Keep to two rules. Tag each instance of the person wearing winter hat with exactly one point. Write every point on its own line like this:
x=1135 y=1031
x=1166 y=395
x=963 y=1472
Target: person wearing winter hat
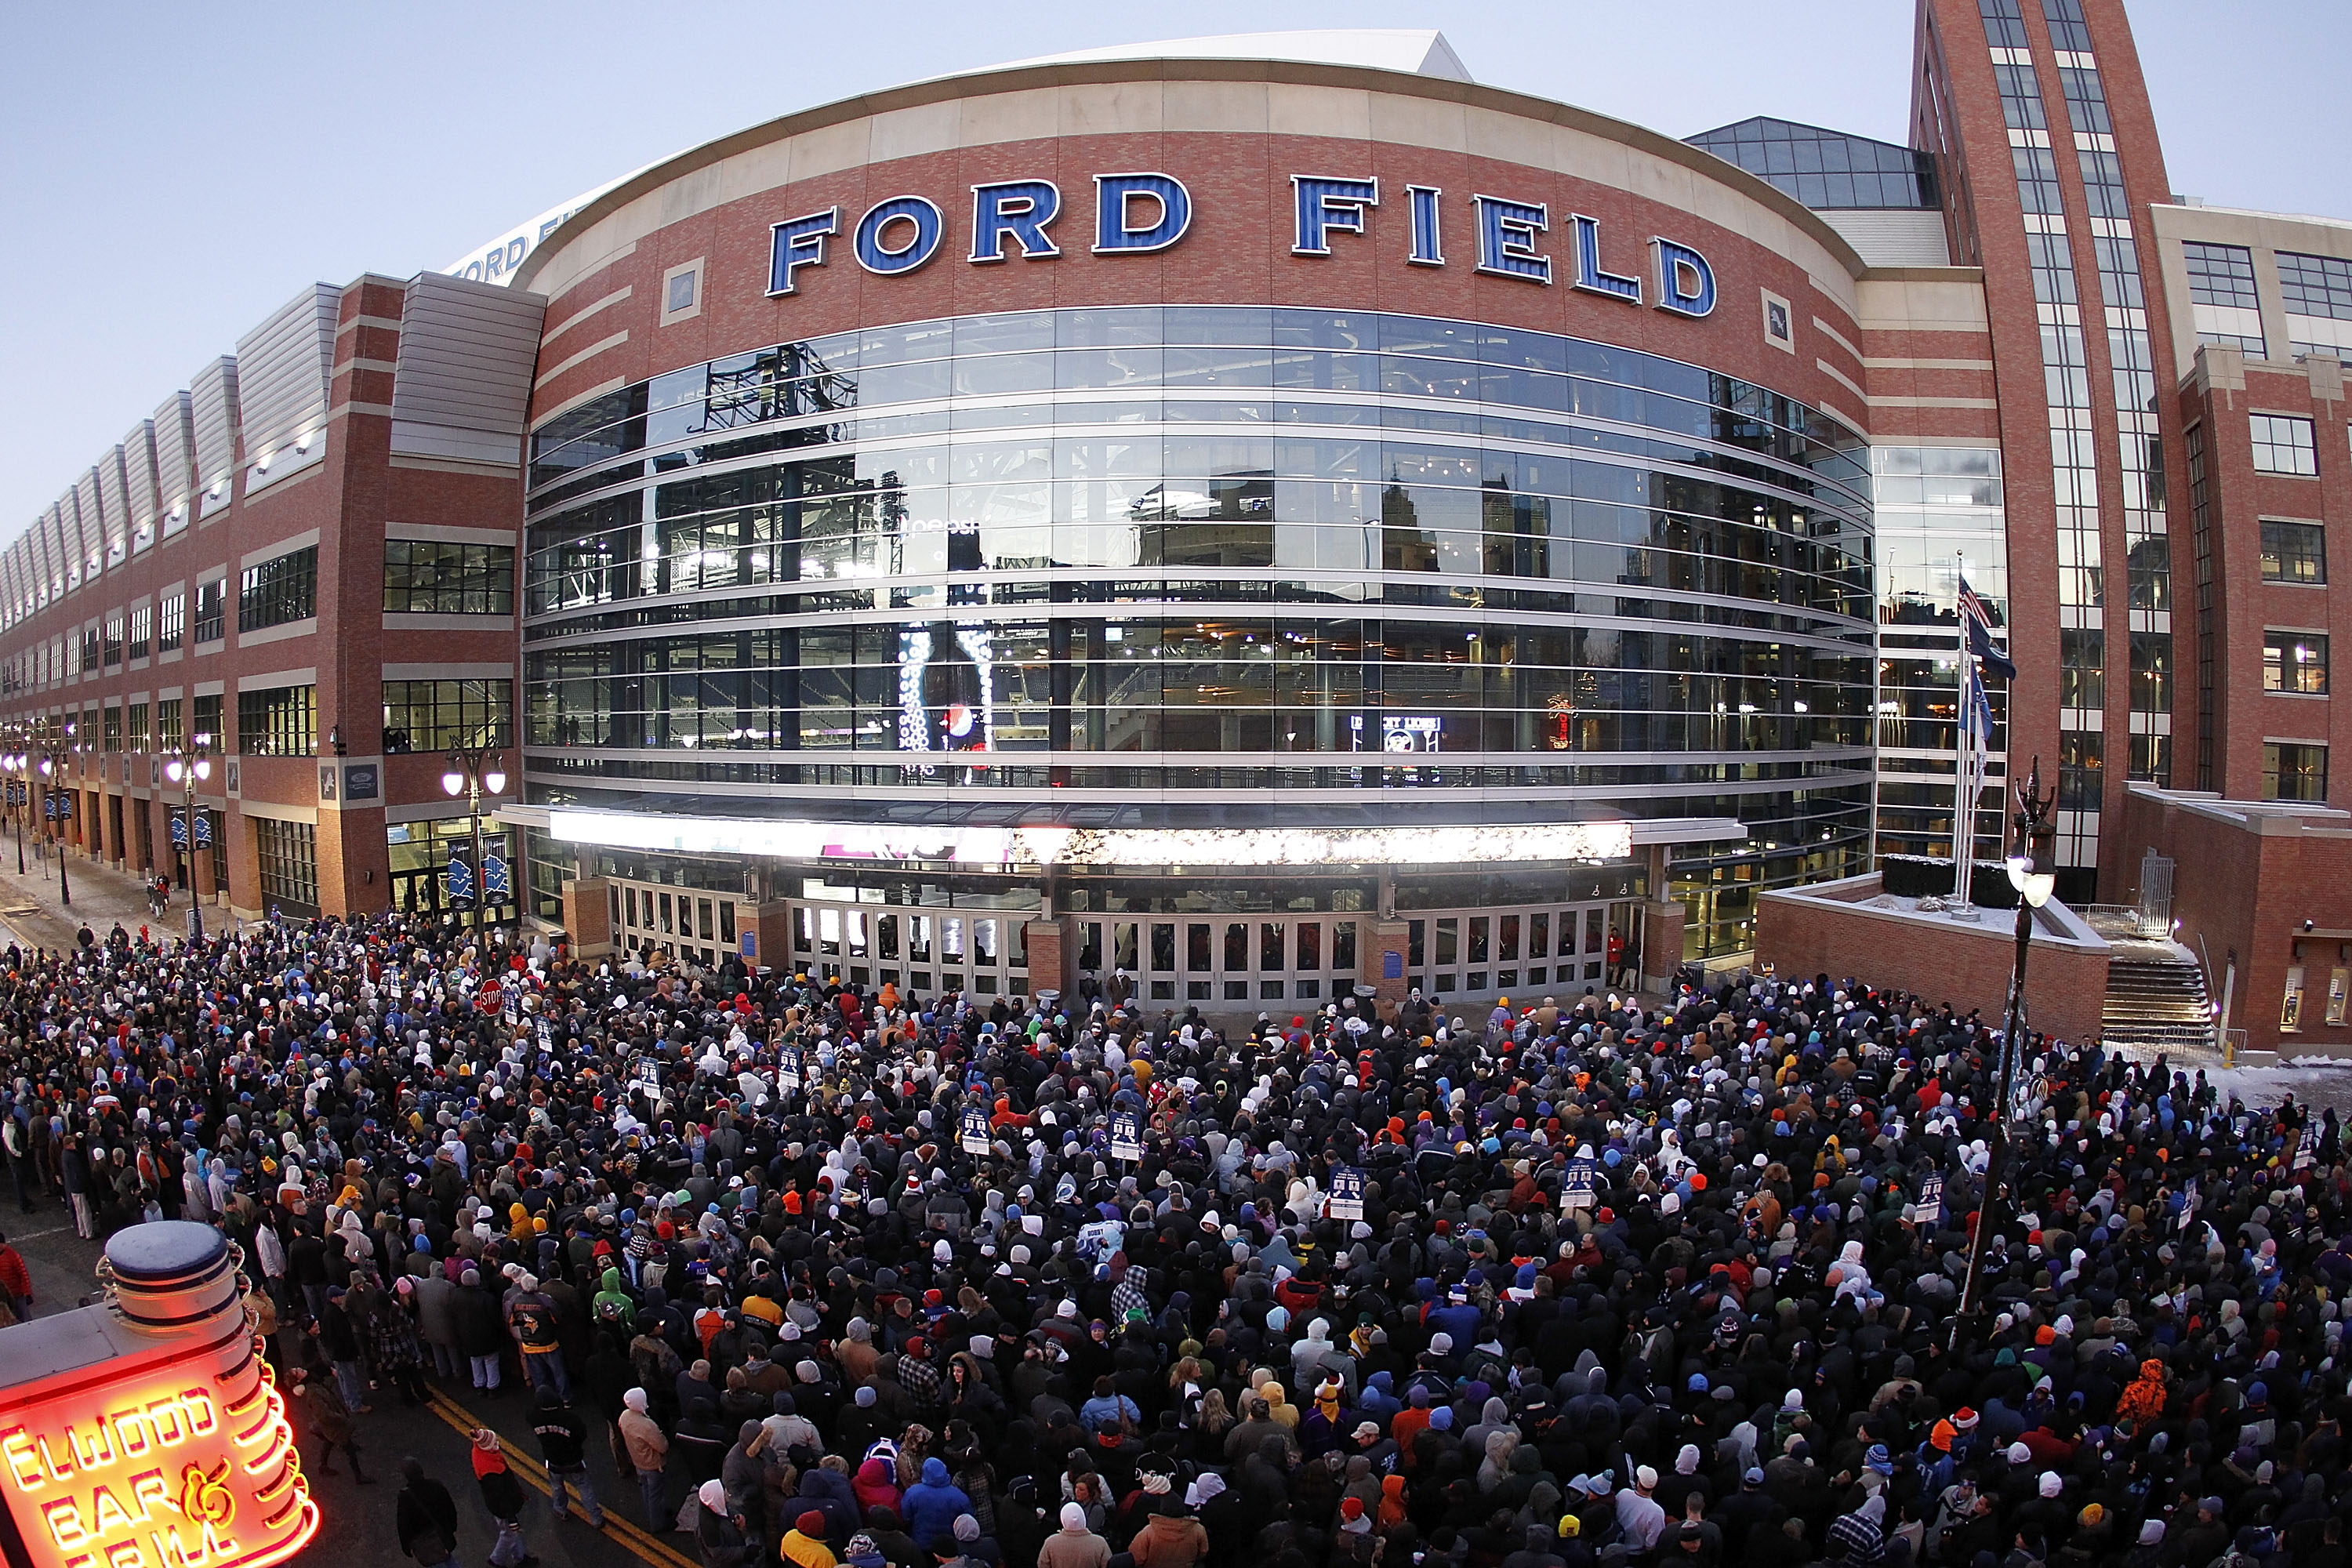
x=802 y=1544
x=1074 y=1545
x=647 y=1447
x=1170 y=1538
x=503 y=1495
x=1639 y=1514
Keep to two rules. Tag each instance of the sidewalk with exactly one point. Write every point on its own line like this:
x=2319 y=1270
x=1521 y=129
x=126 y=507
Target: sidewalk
x=101 y=897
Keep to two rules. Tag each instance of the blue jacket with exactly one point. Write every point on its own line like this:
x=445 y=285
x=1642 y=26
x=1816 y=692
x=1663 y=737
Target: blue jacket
x=932 y=1504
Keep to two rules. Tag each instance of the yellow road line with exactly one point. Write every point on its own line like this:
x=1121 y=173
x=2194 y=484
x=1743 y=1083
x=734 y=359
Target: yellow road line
x=650 y=1548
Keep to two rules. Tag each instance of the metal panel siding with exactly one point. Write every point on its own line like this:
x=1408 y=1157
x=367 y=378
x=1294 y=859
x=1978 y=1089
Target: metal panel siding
x=284 y=366
x=138 y=482
x=44 y=555
x=114 y=506
x=462 y=385
x=80 y=508
x=1893 y=237
x=213 y=422
x=175 y=445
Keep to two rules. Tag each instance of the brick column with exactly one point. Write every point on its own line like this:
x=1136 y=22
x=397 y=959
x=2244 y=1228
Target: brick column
x=1052 y=945
x=588 y=916
x=776 y=929
x=1662 y=942
x=1382 y=962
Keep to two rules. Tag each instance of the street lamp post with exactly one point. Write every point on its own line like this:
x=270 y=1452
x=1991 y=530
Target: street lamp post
x=20 y=794
x=185 y=768
x=471 y=771
x=2032 y=871
x=53 y=766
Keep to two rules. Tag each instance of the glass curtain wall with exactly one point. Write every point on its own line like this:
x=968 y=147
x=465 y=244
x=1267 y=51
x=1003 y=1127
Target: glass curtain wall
x=1192 y=566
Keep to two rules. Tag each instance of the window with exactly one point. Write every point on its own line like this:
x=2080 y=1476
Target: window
x=2082 y=760
x=205 y=721
x=2295 y=770
x=2293 y=552
x=2317 y=285
x=169 y=736
x=111 y=730
x=2295 y=662
x=113 y=639
x=171 y=623
x=2151 y=672
x=681 y=292
x=1820 y=168
x=2082 y=669
x=288 y=856
x=142 y=629
x=278 y=722
x=427 y=576
x=90 y=650
x=436 y=715
x=2283 y=445
x=2220 y=275
x=210 y=599
x=279 y=591
x=135 y=727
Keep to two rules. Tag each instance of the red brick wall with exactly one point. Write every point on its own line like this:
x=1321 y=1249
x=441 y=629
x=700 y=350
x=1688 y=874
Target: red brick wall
x=2241 y=896
x=349 y=497
x=1802 y=937
x=1237 y=252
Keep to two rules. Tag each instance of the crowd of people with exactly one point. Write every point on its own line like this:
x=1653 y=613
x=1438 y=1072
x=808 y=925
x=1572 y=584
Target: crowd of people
x=1590 y=1283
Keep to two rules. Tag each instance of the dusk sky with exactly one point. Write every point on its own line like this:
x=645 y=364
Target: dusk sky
x=177 y=173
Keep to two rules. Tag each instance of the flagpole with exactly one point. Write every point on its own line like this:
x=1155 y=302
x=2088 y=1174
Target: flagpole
x=1964 y=816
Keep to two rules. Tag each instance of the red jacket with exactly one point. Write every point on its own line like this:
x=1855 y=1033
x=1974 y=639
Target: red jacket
x=14 y=1281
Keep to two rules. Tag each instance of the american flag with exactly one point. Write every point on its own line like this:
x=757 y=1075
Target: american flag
x=1972 y=608
x=1976 y=634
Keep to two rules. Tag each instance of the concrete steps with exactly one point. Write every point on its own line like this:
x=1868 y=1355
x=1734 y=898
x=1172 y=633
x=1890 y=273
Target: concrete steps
x=2156 y=1004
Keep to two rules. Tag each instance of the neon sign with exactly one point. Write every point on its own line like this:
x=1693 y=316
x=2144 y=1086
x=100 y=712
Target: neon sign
x=153 y=1437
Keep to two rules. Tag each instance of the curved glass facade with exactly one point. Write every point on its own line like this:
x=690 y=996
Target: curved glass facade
x=1203 y=567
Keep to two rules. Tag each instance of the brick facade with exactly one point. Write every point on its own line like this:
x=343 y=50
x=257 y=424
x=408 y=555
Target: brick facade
x=1828 y=930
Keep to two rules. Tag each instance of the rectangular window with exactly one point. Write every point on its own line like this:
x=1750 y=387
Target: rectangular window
x=169 y=736
x=205 y=722
x=436 y=715
x=278 y=722
x=2151 y=672
x=171 y=623
x=113 y=640
x=430 y=577
x=2220 y=275
x=2295 y=662
x=143 y=630
x=2283 y=445
x=2295 y=770
x=288 y=856
x=2293 y=552
x=110 y=729
x=279 y=591
x=2082 y=669
x=89 y=646
x=211 y=599
x=136 y=735
x=2317 y=285
x=2081 y=759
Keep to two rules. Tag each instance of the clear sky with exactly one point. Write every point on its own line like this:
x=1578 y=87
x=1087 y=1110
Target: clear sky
x=174 y=173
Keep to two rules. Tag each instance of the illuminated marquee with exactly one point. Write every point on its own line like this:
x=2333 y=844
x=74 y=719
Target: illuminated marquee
x=1101 y=847
x=1141 y=213
x=168 y=1478
x=141 y=1434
